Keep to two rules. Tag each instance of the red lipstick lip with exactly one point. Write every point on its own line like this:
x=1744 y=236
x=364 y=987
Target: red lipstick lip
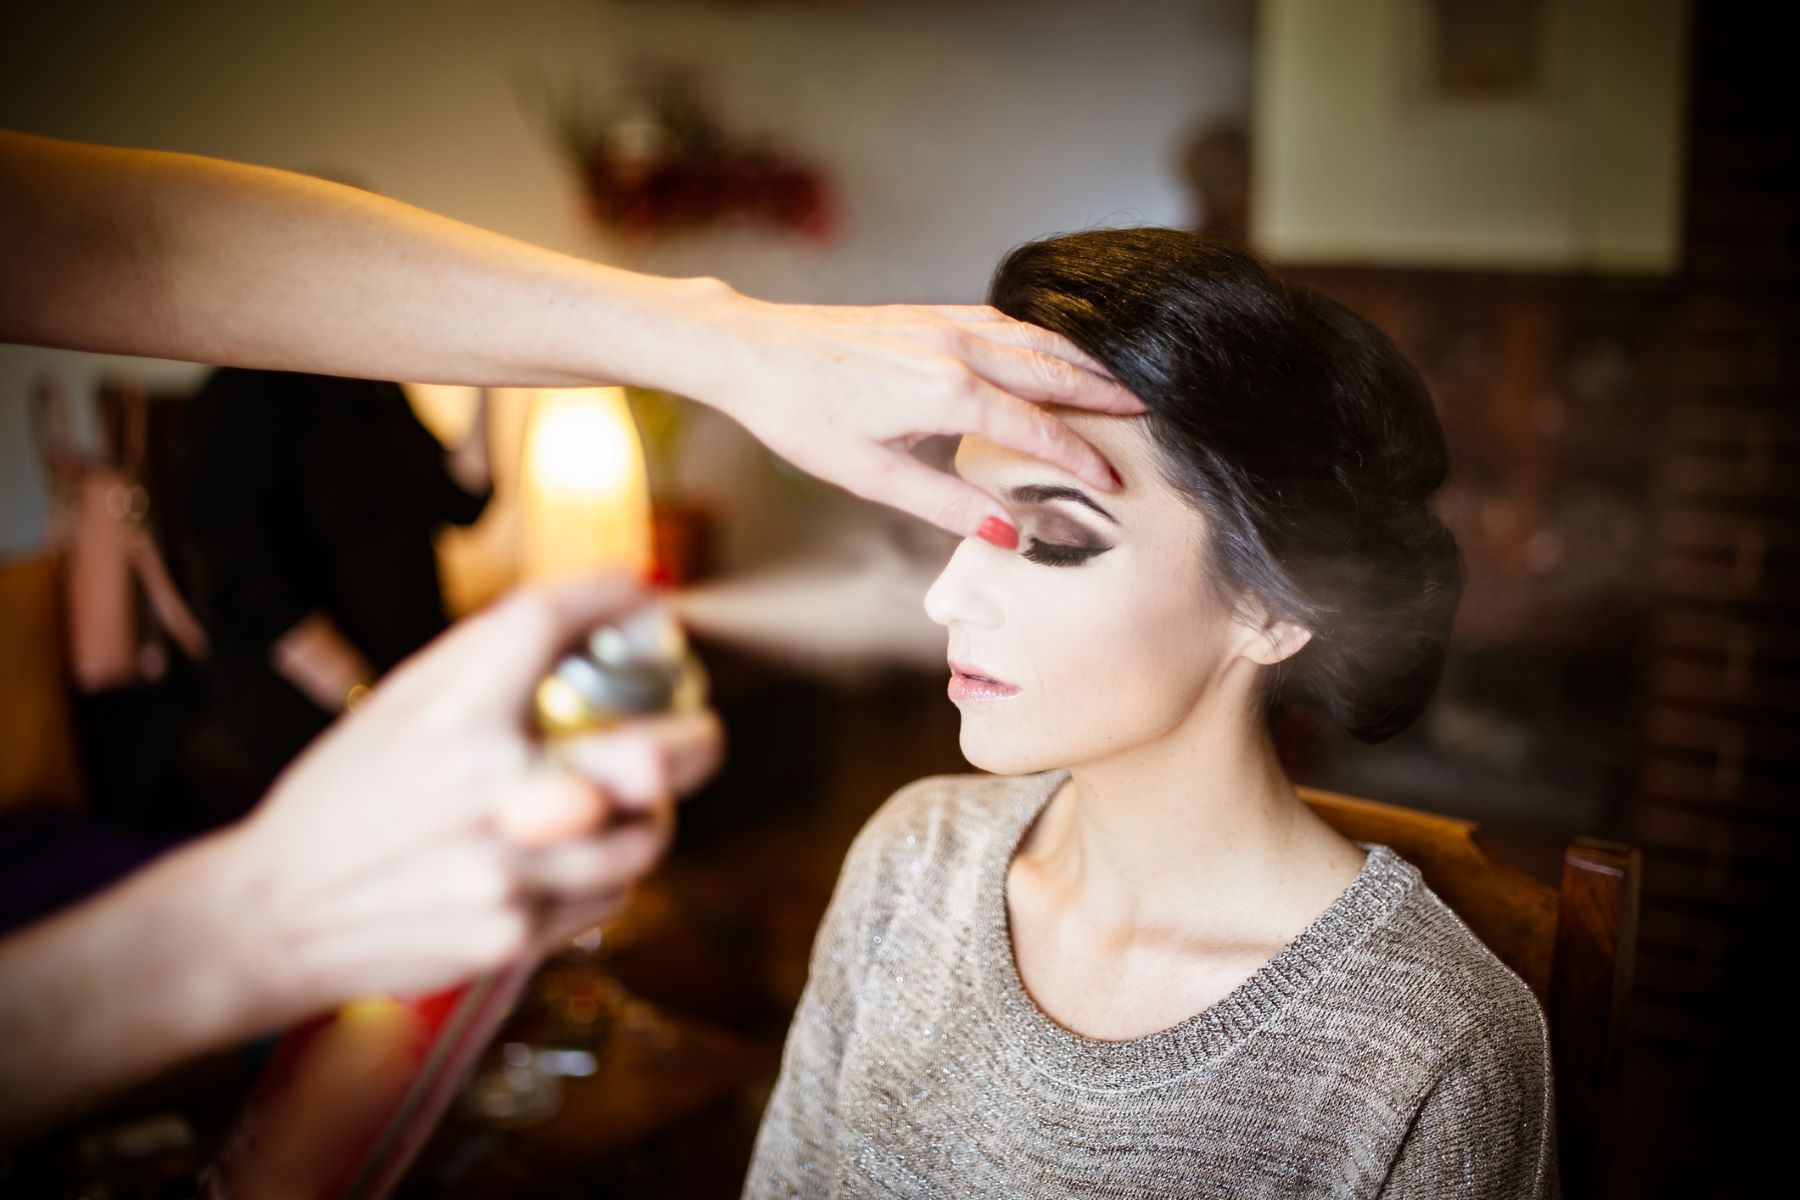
x=970 y=669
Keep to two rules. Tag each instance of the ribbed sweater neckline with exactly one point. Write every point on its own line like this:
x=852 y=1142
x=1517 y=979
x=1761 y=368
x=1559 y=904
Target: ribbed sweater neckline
x=1371 y=898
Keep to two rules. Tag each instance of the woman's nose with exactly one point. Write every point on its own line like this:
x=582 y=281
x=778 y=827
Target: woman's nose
x=958 y=596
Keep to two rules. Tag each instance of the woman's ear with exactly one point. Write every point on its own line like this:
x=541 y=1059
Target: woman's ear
x=1280 y=640
x=1270 y=641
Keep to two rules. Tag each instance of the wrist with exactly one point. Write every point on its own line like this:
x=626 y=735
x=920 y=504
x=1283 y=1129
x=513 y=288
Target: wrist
x=98 y=998
x=692 y=333
x=172 y=938
x=223 y=943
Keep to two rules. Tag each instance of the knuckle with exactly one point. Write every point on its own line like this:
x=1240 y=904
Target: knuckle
x=968 y=389
x=1048 y=433
x=1056 y=373
x=955 y=339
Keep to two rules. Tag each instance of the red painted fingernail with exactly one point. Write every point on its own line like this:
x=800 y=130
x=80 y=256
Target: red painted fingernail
x=1000 y=533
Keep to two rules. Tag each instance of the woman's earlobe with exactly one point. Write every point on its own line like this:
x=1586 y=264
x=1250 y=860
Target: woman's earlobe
x=1279 y=642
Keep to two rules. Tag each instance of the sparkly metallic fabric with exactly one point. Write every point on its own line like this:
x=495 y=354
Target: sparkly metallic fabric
x=1384 y=1052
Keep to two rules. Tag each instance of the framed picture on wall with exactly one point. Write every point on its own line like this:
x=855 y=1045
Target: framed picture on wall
x=1540 y=135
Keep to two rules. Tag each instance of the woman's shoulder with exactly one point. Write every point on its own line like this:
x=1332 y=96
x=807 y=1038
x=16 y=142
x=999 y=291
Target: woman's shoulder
x=1443 y=983
x=951 y=814
x=1480 y=1116
x=921 y=854
x=940 y=826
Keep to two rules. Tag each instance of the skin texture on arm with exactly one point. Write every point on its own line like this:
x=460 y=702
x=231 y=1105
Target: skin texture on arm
x=69 y=1031
x=167 y=254
x=139 y=252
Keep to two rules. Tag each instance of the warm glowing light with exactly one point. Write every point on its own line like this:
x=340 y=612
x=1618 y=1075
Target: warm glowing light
x=579 y=448
x=370 y=1008
x=586 y=500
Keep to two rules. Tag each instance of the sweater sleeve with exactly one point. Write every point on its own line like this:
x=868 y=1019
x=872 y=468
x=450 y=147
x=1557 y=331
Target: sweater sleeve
x=796 y=1146
x=1487 y=1125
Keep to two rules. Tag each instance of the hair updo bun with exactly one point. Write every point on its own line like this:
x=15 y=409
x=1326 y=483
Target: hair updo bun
x=1295 y=426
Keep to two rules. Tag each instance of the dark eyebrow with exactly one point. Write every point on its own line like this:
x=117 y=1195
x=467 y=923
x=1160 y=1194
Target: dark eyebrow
x=1037 y=493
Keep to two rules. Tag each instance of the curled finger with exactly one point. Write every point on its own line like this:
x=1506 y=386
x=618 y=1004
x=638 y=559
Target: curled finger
x=609 y=861
x=549 y=805
x=646 y=761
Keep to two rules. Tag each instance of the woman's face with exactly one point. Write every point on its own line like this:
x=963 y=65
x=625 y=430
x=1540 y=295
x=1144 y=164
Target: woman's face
x=1101 y=621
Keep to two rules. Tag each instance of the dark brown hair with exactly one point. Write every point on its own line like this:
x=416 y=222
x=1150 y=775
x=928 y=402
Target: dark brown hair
x=1295 y=426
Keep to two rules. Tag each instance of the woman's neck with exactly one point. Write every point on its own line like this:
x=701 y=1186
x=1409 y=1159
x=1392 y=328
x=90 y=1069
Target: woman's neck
x=1198 y=833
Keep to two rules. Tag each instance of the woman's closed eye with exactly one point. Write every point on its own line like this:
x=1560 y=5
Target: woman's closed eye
x=1056 y=554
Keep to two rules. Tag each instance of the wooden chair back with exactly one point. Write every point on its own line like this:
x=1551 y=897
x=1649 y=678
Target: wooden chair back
x=1573 y=945
x=38 y=766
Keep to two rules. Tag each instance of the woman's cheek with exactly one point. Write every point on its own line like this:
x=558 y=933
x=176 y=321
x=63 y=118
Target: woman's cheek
x=1104 y=687
x=1093 y=679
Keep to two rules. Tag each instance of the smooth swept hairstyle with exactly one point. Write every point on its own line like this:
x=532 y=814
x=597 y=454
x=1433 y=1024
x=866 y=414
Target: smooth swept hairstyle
x=1302 y=435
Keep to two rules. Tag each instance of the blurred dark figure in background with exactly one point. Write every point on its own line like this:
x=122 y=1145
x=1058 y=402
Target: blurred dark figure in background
x=311 y=503
x=130 y=652
x=132 y=641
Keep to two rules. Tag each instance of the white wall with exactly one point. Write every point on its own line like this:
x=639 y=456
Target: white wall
x=1356 y=161
x=954 y=130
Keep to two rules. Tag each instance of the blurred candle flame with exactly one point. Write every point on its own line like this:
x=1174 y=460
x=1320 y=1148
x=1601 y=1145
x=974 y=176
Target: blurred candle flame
x=587 y=501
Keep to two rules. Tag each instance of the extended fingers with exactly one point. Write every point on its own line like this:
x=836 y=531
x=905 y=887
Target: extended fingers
x=1012 y=357
x=989 y=324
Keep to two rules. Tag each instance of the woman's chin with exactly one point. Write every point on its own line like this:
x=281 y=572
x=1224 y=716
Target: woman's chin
x=986 y=754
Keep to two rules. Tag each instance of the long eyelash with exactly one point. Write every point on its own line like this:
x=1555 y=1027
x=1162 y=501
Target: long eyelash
x=1052 y=555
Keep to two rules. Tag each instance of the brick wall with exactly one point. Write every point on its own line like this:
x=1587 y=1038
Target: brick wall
x=1719 y=765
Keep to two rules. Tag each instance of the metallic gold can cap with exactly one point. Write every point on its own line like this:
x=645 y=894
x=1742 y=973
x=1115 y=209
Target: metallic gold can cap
x=635 y=666
x=649 y=634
